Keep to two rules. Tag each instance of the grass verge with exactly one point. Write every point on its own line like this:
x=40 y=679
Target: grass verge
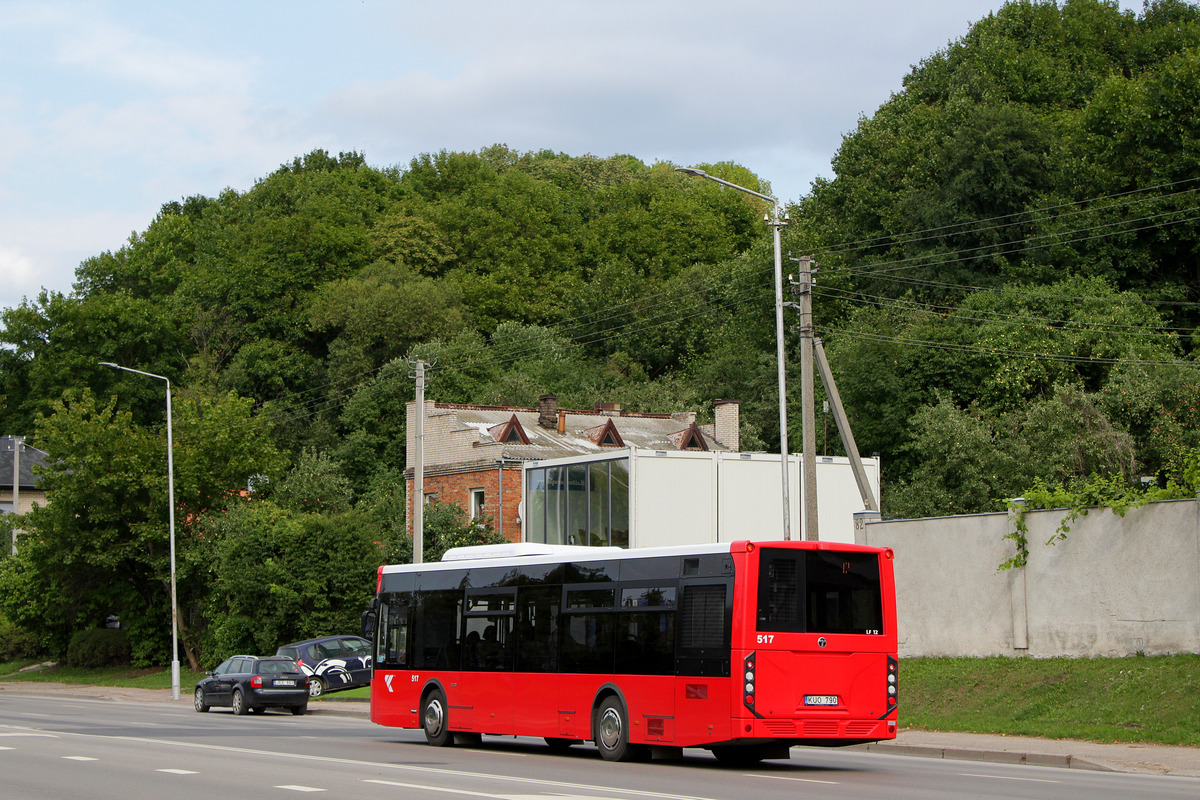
x=1139 y=699
x=125 y=677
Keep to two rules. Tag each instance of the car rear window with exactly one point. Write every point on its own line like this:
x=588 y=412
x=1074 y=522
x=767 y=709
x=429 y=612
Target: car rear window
x=275 y=667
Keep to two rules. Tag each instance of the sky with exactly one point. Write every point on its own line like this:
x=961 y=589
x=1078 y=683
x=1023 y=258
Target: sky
x=111 y=108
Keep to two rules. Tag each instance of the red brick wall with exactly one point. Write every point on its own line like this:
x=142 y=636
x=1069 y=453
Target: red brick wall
x=456 y=488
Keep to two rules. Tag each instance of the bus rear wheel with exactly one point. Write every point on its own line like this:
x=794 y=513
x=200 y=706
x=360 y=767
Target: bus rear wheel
x=612 y=732
x=433 y=719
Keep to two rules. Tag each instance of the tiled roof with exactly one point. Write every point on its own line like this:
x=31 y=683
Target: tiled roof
x=647 y=431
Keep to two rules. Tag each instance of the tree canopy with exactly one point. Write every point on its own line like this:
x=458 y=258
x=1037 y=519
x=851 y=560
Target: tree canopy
x=1008 y=288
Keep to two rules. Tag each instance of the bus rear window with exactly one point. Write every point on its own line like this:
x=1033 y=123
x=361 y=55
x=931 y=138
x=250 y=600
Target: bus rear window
x=819 y=591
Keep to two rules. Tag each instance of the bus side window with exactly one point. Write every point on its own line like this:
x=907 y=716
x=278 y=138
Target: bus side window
x=537 y=628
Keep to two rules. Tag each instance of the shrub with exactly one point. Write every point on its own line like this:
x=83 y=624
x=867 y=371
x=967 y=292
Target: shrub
x=16 y=643
x=99 y=647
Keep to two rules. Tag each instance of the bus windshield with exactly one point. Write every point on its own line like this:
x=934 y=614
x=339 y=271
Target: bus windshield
x=819 y=591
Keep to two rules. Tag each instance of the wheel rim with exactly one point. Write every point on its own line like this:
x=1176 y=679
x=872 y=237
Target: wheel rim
x=200 y=699
x=435 y=716
x=316 y=687
x=237 y=702
x=610 y=729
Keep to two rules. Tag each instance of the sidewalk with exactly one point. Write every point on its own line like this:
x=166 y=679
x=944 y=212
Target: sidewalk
x=1066 y=753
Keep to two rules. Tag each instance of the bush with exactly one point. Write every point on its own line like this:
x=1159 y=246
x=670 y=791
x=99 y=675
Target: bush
x=100 y=647
x=16 y=643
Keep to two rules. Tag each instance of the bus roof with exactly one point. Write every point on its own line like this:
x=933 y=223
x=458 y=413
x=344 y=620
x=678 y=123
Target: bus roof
x=505 y=555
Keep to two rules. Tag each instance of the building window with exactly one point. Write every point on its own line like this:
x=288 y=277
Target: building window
x=431 y=497
x=585 y=503
x=477 y=498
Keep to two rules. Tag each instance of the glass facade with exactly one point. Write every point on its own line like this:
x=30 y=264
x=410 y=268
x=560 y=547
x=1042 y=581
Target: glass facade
x=583 y=504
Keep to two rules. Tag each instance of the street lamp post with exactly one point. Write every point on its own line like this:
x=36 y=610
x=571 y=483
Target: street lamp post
x=171 y=518
x=777 y=220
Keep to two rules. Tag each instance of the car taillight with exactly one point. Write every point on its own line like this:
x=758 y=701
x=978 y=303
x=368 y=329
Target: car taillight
x=748 y=681
x=256 y=681
x=893 y=670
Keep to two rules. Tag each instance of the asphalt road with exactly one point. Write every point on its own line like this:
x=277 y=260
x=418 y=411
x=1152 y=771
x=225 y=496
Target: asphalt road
x=53 y=748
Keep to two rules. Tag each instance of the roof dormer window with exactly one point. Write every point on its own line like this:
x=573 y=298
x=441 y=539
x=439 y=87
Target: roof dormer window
x=510 y=432
x=606 y=435
x=690 y=438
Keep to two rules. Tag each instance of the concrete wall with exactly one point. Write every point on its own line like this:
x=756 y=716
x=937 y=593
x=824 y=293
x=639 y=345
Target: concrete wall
x=1115 y=586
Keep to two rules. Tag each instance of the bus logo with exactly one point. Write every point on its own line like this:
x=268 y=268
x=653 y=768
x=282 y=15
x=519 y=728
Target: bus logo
x=821 y=642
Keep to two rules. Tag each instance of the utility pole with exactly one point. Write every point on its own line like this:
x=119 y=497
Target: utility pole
x=419 y=468
x=808 y=411
x=16 y=492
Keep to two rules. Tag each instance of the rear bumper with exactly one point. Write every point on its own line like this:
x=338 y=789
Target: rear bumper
x=278 y=697
x=818 y=732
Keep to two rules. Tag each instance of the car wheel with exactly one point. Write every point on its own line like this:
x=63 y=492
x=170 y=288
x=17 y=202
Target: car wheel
x=316 y=687
x=239 y=703
x=612 y=732
x=433 y=719
x=299 y=710
x=201 y=706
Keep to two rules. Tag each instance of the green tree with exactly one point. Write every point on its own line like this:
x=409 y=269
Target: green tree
x=281 y=575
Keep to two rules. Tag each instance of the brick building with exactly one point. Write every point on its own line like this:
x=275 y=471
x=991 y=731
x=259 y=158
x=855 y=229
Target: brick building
x=476 y=456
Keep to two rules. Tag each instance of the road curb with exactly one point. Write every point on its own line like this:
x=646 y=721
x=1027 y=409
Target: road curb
x=990 y=756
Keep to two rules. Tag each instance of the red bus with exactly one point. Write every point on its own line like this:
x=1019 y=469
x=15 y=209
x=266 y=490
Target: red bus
x=744 y=648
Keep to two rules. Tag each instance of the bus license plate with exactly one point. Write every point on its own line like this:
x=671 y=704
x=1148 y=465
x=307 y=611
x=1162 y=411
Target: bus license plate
x=820 y=700
x=285 y=683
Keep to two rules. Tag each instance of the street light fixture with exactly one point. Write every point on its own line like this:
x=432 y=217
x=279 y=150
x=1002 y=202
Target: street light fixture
x=777 y=220
x=171 y=517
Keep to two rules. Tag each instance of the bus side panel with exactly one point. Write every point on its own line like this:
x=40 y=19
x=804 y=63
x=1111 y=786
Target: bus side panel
x=650 y=704
x=702 y=711
x=394 y=699
x=482 y=702
x=536 y=706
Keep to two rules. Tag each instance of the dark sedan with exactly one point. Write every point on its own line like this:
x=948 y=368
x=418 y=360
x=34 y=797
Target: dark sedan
x=254 y=683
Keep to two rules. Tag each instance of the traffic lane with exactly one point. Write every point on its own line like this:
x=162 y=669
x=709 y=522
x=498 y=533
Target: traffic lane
x=43 y=765
x=505 y=763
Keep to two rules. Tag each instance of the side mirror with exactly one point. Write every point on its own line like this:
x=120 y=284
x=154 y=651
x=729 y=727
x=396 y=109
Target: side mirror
x=368 y=625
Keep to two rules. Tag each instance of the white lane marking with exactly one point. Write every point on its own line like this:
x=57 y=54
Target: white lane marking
x=422 y=787
x=178 y=771
x=295 y=788
x=7 y=748
x=80 y=758
x=31 y=733
x=784 y=778
x=469 y=793
x=603 y=791
x=1006 y=778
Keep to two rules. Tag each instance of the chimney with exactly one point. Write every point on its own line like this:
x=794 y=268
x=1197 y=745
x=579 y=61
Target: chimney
x=562 y=422
x=548 y=411
x=726 y=416
x=609 y=409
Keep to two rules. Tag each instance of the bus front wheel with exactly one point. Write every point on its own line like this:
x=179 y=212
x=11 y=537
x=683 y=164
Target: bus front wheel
x=433 y=719
x=612 y=732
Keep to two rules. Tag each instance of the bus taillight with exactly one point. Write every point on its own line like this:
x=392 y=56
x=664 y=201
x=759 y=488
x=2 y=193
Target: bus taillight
x=893 y=670
x=748 y=684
